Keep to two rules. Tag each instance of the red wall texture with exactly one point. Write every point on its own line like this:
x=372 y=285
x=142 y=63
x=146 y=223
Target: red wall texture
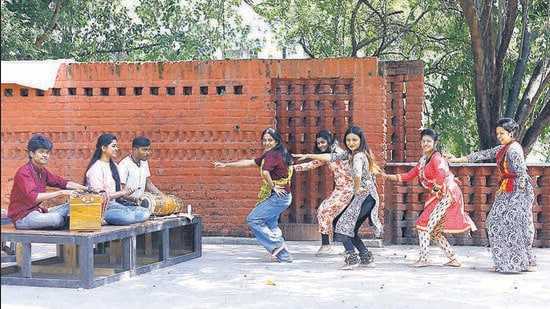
x=196 y=112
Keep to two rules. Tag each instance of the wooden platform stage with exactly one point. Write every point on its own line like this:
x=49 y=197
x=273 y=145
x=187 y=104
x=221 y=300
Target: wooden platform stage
x=91 y=259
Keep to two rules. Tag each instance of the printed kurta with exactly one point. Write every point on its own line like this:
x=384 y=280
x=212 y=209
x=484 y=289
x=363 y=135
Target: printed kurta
x=341 y=195
x=436 y=172
x=509 y=223
x=346 y=223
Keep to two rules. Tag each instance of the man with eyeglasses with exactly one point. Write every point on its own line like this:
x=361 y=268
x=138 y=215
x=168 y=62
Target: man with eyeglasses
x=134 y=171
x=29 y=190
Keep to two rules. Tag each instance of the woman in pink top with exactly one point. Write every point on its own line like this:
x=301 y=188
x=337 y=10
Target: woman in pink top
x=444 y=207
x=102 y=175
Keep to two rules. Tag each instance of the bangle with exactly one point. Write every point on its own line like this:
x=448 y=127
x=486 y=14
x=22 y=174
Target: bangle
x=272 y=186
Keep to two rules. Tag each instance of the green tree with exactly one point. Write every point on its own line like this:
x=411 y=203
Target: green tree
x=511 y=66
x=487 y=61
x=110 y=30
x=345 y=28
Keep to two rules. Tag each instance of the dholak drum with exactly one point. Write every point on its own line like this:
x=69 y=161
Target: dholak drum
x=161 y=205
x=179 y=204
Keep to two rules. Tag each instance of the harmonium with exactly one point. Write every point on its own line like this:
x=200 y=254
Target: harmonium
x=87 y=211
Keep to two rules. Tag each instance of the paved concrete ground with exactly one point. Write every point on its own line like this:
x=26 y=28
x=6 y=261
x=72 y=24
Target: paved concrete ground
x=234 y=273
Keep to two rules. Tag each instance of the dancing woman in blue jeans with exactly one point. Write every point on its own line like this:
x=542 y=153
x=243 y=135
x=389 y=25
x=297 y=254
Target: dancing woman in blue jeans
x=275 y=195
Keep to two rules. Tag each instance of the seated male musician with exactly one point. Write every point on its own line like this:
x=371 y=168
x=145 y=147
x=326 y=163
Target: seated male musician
x=29 y=190
x=134 y=171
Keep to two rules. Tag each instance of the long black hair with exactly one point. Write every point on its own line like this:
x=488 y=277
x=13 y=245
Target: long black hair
x=433 y=134
x=104 y=140
x=287 y=158
x=326 y=135
x=364 y=147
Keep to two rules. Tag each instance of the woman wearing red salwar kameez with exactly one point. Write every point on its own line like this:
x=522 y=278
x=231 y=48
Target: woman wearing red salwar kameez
x=444 y=208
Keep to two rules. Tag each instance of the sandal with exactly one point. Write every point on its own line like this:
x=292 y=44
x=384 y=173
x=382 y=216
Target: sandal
x=420 y=264
x=453 y=263
x=492 y=270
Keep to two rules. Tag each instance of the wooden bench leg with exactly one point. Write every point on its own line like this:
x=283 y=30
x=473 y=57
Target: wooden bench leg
x=129 y=254
x=24 y=259
x=164 y=250
x=70 y=255
x=148 y=244
x=86 y=261
x=115 y=251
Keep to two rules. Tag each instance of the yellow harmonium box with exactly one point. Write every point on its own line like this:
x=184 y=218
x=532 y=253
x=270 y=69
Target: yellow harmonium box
x=85 y=212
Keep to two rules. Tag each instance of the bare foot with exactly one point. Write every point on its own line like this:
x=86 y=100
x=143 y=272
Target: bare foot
x=453 y=263
x=420 y=264
x=325 y=249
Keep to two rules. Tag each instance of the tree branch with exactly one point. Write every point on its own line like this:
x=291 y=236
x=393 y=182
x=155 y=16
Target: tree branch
x=52 y=26
x=484 y=123
x=519 y=71
x=532 y=92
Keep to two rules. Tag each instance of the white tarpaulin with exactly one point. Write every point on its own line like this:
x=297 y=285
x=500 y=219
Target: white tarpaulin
x=39 y=74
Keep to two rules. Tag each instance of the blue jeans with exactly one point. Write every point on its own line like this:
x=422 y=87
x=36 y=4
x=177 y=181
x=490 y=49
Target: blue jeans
x=118 y=214
x=55 y=218
x=263 y=220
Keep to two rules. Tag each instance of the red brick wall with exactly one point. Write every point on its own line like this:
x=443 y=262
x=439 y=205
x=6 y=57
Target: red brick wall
x=195 y=112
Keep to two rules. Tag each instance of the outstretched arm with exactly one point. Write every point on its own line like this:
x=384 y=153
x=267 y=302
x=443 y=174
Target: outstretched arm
x=240 y=163
x=452 y=159
x=149 y=186
x=320 y=156
x=390 y=177
x=44 y=196
x=71 y=185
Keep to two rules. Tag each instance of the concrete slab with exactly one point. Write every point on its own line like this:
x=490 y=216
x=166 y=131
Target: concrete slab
x=235 y=273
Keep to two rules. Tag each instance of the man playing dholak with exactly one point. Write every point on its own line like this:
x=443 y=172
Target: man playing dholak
x=134 y=171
